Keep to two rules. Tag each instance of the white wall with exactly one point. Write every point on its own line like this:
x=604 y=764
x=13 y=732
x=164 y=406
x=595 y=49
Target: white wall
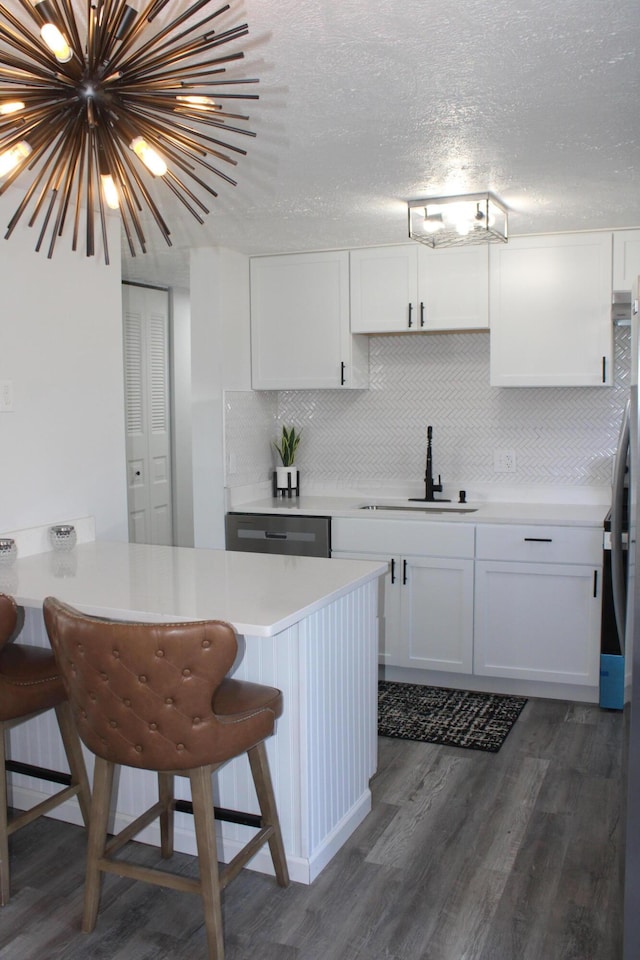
x=62 y=448
x=220 y=346
x=181 y=416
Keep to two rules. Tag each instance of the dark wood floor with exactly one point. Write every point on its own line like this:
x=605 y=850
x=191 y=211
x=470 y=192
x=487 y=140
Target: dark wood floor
x=465 y=856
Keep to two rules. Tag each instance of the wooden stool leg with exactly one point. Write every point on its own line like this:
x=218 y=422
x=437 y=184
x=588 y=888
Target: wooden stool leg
x=73 y=750
x=4 y=832
x=264 y=789
x=102 y=787
x=202 y=800
x=165 y=794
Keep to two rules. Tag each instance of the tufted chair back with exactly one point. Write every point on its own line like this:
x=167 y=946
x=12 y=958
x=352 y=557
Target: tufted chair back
x=143 y=694
x=8 y=618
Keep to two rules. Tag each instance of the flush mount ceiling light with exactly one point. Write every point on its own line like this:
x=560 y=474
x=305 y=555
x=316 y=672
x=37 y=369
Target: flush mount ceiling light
x=458 y=221
x=98 y=99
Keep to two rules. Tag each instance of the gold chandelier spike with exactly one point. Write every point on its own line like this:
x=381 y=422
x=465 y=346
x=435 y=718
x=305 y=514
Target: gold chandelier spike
x=98 y=100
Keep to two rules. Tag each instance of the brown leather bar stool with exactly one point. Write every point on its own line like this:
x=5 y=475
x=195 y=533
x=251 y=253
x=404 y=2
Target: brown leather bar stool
x=155 y=697
x=30 y=683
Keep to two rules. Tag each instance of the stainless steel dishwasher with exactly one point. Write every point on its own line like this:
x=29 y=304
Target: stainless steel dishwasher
x=273 y=533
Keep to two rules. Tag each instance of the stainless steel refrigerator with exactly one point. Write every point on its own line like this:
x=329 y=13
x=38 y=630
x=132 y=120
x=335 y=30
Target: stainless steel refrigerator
x=631 y=822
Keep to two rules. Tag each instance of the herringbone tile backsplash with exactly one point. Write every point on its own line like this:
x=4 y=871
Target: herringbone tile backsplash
x=560 y=436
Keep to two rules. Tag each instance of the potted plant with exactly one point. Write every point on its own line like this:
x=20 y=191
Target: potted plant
x=287 y=474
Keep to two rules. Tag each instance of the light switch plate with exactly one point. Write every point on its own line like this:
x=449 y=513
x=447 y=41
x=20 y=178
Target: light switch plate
x=6 y=396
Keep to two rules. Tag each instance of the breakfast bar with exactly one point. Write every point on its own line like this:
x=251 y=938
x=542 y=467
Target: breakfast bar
x=306 y=625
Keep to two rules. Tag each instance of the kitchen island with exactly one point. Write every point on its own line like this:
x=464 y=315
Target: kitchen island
x=308 y=626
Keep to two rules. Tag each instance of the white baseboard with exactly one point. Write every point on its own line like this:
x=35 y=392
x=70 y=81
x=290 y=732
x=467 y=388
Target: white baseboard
x=301 y=870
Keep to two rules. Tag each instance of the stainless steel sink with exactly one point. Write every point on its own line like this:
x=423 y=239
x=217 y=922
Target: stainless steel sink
x=425 y=508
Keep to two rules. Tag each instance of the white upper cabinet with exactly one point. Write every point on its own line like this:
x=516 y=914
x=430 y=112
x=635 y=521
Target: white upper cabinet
x=551 y=311
x=626 y=260
x=300 y=336
x=453 y=287
x=384 y=290
x=412 y=288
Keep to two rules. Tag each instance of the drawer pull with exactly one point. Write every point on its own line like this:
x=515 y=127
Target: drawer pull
x=595 y=583
x=538 y=540
x=393 y=570
x=404 y=571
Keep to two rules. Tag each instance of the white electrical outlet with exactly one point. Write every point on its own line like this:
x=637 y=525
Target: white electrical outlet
x=504 y=461
x=6 y=396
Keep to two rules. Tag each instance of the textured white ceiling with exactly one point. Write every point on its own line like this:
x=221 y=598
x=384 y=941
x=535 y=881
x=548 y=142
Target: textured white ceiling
x=366 y=104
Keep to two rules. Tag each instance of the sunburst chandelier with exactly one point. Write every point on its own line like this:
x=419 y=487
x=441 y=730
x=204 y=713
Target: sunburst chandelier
x=98 y=100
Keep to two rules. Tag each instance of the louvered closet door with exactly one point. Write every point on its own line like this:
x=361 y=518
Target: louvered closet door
x=147 y=399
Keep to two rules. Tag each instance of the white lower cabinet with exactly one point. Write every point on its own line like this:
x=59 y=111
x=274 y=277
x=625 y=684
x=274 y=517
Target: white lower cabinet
x=428 y=593
x=436 y=614
x=528 y=608
x=538 y=603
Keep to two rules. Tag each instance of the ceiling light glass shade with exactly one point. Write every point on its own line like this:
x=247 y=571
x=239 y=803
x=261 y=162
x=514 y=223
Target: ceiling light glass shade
x=129 y=78
x=458 y=221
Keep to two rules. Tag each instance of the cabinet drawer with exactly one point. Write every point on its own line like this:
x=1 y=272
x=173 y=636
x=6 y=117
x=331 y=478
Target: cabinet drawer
x=545 y=544
x=418 y=537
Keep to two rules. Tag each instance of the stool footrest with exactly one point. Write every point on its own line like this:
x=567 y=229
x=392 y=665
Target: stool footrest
x=223 y=813
x=41 y=773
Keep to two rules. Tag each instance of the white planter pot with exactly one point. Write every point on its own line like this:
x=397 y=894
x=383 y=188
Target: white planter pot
x=282 y=477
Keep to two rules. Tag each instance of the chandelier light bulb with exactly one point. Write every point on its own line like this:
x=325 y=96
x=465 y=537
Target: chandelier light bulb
x=433 y=222
x=464 y=227
x=56 y=42
x=9 y=159
x=150 y=157
x=110 y=191
x=11 y=106
x=199 y=102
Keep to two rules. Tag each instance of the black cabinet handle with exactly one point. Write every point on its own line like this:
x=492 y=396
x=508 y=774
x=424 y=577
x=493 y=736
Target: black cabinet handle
x=538 y=540
x=404 y=571
x=410 y=314
x=595 y=583
x=393 y=570
x=421 y=314
x=274 y=536
x=604 y=369
x=342 y=366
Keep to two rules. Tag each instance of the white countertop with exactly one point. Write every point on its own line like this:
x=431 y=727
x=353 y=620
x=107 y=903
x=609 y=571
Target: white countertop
x=490 y=511
x=260 y=595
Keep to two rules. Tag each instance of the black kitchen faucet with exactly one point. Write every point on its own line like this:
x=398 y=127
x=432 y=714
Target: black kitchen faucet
x=430 y=486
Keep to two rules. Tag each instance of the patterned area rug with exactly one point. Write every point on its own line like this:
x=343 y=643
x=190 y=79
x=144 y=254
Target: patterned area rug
x=453 y=718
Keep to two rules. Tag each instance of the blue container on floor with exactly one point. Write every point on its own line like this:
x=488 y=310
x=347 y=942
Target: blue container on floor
x=612 y=681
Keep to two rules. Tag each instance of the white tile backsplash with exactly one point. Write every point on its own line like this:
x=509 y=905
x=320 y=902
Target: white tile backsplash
x=560 y=436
